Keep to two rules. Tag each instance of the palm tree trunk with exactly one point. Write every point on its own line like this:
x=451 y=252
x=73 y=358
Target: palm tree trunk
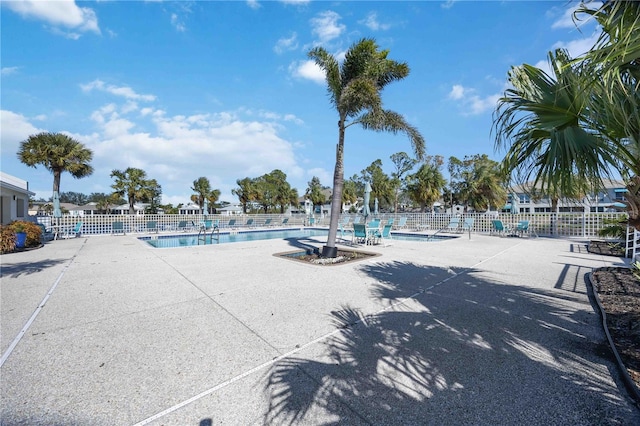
x=336 y=197
x=633 y=202
x=132 y=202
x=56 y=180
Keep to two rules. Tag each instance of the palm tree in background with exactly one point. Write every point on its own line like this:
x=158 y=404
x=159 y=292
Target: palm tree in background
x=202 y=189
x=132 y=184
x=355 y=91
x=57 y=153
x=245 y=192
x=425 y=186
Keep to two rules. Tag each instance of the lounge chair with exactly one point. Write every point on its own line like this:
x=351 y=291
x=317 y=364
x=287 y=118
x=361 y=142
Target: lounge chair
x=343 y=230
x=385 y=234
x=117 y=228
x=152 y=226
x=268 y=222
x=231 y=224
x=47 y=234
x=182 y=226
x=249 y=223
x=70 y=232
x=523 y=228
x=209 y=224
x=359 y=233
x=402 y=223
x=454 y=225
x=497 y=227
x=285 y=221
x=357 y=219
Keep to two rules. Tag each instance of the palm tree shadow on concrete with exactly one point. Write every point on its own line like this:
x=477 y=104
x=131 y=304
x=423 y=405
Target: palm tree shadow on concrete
x=15 y=270
x=467 y=351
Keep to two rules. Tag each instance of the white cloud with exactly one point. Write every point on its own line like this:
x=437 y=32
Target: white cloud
x=470 y=102
x=371 y=22
x=457 y=92
x=177 y=23
x=9 y=70
x=60 y=13
x=14 y=128
x=578 y=47
x=285 y=44
x=177 y=149
x=448 y=4
x=566 y=19
x=325 y=176
x=325 y=25
x=295 y=2
x=307 y=70
x=123 y=91
x=253 y=4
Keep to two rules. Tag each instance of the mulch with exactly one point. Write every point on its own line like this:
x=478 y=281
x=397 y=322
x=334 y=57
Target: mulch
x=619 y=292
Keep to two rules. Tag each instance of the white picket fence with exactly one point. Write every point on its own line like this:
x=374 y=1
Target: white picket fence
x=578 y=225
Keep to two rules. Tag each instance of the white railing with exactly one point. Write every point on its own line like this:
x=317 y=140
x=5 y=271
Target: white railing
x=633 y=242
x=579 y=225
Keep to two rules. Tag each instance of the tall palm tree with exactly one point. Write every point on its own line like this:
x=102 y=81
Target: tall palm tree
x=202 y=188
x=355 y=88
x=57 y=153
x=245 y=192
x=132 y=184
x=425 y=186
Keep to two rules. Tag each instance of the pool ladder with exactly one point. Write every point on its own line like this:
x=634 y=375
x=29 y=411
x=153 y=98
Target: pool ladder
x=202 y=234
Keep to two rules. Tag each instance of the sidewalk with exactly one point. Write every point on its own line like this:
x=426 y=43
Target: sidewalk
x=483 y=331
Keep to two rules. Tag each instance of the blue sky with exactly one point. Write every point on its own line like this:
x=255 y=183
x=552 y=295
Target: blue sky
x=225 y=89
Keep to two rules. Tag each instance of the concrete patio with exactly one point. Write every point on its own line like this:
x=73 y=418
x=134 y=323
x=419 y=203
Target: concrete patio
x=486 y=330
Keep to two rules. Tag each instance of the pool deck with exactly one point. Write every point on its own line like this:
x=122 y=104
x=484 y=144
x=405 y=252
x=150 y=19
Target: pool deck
x=478 y=331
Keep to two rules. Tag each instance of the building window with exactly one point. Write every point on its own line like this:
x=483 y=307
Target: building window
x=542 y=210
x=524 y=199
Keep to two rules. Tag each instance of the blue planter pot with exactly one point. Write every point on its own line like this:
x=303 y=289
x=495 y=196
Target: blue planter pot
x=21 y=239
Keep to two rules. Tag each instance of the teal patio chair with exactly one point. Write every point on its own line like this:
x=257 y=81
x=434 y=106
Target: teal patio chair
x=359 y=233
x=523 y=227
x=70 y=232
x=152 y=226
x=117 y=228
x=454 y=225
x=385 y=235
x=231 y=224
x=249 y=223
x=285 y=221
x=402 y=223
x=182 y=226
x=497 y=227
x=268 y=222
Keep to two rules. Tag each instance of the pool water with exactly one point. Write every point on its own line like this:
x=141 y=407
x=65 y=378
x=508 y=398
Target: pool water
x=188 y=240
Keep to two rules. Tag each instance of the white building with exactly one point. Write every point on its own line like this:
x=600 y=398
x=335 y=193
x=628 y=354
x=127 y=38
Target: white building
x=14 y=198
x=606 y=200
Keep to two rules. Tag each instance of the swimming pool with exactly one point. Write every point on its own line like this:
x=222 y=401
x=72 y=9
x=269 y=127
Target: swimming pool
x=187 y=240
